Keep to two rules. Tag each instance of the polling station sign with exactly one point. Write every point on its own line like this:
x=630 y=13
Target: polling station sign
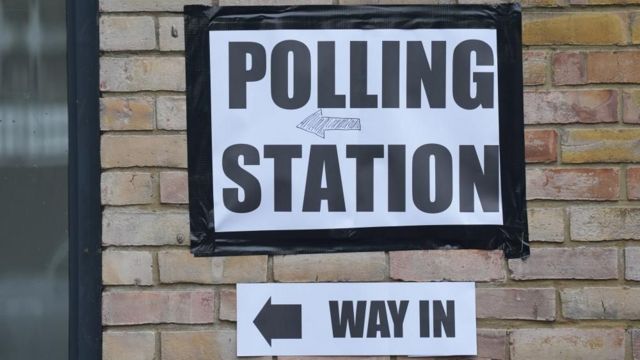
x=327 y=128
x=325 y=319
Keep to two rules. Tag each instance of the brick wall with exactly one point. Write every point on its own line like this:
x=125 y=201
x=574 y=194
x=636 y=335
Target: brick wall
x=578 y=296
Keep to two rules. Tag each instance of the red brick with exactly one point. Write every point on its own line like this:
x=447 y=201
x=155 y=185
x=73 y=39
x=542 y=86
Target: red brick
x=174 y=187
x=453 y=265
x=573 y=184
x=614 y=303
x=130 y=345
x=364 y=266
x=604 y=223
x=540 y=146
x=566 y=107
x=513 y=303
x=157 y=307
x=631 y=106
x=567 y=343
x=633 y=183
x=567 y=263
x=613 y=67
x=534 y=67
x=228 y=304
x=569 y=68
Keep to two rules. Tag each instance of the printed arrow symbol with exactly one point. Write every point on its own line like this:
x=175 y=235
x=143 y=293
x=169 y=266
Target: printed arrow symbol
x=318 y=124
x=279 y=321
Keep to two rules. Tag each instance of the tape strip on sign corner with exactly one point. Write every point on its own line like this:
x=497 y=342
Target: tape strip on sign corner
x=329 y=319
x=330 y=129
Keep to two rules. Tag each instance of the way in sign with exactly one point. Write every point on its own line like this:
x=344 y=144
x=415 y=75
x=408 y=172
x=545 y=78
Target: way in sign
x=353 y=319
x=344 y=317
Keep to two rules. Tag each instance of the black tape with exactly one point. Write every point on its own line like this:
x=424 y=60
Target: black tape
x=512 y=237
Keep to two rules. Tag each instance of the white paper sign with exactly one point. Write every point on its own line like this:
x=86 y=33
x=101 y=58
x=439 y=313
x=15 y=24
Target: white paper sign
x=354 y=128
x=425 y=319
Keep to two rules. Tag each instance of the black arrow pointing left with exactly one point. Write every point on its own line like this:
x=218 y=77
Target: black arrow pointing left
x=279 y=321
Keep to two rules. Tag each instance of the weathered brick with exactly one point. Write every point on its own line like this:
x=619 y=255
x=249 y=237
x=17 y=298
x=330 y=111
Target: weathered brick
x=546 y=224
x=569 y=68
x=453 y=265
x=632 y=263
x=616 y=303
x=565 y=107
x=158 y=307
x=143 y=150
x=138 y=73
x=126 y=188
x=635 y=26
x=575 y=29
x=143 y=227
x=600 y=145
x=172 y=113
x=140 y=33
x=635 y=343
x=121 y=267
x=613 y=67
x=148 y=5
x=219 y=344
x=174 y=187
x=182 y=267
x=395 y=2
x=334 y=358
x=604 y=223
x=274 y=2
x=511 y=303
x=127 y=113
x=633 y=183
x=543 y=3
x=567 y=343
x=603 y=2
x=492 y=345
x=228 y=304
x=179 y=266
x=171 y=33
x=573 y=183
x=540 y=146
x=566 y=263
x=365 y=266
x=631 y=106
x=534 y=65
x=130 y=345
